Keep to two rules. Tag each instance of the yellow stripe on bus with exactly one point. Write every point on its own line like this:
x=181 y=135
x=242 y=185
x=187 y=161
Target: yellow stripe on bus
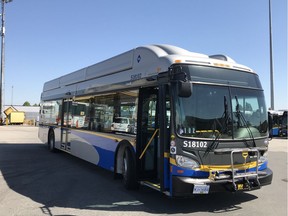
x=208 y=168
x=98 y=134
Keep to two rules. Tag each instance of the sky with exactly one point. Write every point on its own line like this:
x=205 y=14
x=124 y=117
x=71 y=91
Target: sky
x=47 y=39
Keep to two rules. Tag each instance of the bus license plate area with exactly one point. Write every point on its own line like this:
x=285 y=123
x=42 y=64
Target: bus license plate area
x=201 y=189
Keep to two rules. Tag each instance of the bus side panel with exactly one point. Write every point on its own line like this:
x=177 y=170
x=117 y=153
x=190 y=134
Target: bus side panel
x=43 y=133
x=57 y=134
x=94 y=148
x=167 y=177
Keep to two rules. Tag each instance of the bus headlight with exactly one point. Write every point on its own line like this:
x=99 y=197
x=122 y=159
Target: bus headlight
x=186 y=162
x=263 y=158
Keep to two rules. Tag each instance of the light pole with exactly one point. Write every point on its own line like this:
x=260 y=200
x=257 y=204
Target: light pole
x=3 y=2
x=271 y=59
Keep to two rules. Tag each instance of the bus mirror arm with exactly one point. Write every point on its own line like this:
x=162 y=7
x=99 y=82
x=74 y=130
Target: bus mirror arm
x=184 y=88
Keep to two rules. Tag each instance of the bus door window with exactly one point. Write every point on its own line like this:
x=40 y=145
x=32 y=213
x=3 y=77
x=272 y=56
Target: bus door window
x=66 y=124
x=67 y=113
x=147 y=140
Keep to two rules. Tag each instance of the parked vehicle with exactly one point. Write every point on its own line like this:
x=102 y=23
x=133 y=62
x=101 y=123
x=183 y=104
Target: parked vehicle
x=123 y=124
x=283 y=126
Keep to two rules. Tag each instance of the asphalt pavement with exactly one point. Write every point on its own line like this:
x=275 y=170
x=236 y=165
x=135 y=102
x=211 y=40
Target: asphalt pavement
x=34 y=181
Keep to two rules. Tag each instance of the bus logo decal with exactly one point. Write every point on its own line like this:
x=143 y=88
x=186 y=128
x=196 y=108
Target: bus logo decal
x=138 y=58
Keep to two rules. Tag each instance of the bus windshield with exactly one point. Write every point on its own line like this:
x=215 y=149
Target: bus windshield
x=221 y=112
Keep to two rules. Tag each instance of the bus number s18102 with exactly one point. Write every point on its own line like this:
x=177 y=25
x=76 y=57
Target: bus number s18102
x=194 y=144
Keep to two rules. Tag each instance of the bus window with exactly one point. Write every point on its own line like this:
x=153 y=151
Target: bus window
x=106 y=113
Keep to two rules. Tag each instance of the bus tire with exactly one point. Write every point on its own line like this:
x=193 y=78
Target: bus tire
x=129 y=171
x=51 y=141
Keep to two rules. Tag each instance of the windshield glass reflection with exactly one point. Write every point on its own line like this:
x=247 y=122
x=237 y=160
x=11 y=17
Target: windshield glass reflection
x=222 y=113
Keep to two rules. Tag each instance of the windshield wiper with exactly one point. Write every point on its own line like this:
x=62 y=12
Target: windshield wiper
x=213 y=145
x=223 y=129
x=240 y=117
x=226 y=115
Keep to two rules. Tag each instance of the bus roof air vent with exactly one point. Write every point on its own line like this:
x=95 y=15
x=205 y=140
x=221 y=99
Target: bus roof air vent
x=222 y=57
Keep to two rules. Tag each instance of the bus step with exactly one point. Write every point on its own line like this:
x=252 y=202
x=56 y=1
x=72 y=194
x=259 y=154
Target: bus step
x=155 y=186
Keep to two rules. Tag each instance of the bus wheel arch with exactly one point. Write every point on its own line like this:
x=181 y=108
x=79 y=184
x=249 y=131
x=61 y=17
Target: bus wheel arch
x=51 y=140
x=125 y=164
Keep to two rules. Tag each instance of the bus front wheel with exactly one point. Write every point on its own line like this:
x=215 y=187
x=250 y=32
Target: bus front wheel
x=129 y=171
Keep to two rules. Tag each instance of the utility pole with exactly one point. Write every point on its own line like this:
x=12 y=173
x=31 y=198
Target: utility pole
x=3 y=2
x=271 y=59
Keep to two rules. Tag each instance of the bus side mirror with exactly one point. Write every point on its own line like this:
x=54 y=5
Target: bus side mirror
x=184 y=88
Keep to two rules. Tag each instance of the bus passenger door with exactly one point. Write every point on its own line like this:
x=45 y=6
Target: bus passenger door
x=66 y=124
x=147 y=148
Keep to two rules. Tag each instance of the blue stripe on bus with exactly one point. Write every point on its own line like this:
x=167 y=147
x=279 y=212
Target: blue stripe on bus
x=179 y=171
x=106 y=158
x=104 y=146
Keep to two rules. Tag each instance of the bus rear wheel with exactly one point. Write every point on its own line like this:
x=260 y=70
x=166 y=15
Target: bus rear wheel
x=51 y=142
x=129 y=171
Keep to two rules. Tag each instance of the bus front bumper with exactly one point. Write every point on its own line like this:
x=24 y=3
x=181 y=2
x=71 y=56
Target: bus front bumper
x=187 y=186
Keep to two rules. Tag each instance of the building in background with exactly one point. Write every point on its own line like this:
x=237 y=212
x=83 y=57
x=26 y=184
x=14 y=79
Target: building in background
x=31 y=113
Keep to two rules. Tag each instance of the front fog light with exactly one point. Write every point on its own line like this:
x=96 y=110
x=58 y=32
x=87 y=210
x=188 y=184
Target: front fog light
x=186 y=162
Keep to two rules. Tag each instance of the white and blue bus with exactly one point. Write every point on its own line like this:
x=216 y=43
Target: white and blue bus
x=182 y=123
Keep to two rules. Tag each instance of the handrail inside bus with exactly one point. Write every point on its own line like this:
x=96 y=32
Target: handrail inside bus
x=147 y=145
